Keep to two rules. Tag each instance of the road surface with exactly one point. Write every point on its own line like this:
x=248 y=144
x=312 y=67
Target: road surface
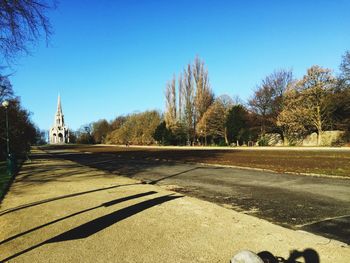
x=315 y=204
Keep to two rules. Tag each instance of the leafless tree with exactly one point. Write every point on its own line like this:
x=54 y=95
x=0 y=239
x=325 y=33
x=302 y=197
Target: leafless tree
x=226 y=103
x=307 y=104
x=345 y=71
x=194 y=98
x=180 y=101
x=22 y=22
x=188 y=96
x=6 y=90
x=267 y=100
x=204 y=96
x=261 y=103
x=170 y=96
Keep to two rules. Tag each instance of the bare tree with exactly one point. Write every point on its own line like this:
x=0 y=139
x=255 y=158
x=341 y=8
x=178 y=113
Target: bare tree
x=204 y=96
x=267 y=100
x=6 y=90
x=340 y=99
x=261 y=103
x=194 y=98
x=180 y=101
x=170 y=96
x=188 y=95
x=226 y=103
x=293 y=119
x=345 y=70
x=22 y=22
x=307 y=104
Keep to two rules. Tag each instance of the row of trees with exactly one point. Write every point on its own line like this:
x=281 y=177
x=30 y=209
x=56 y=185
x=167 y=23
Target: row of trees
x=280 y=104
x=187 y=102
x=193 y=115
x=22 y=23
x=137 y=128
x=293 y=108
x=22 y=131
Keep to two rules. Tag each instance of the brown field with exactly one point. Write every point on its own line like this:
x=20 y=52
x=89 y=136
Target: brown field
x=334 y=162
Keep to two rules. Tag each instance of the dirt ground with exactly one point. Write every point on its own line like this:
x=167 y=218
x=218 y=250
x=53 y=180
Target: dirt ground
x=61 y=211
x=327 y=161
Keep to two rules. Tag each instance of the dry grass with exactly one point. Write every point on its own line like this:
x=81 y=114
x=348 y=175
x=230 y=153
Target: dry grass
x=318 y=161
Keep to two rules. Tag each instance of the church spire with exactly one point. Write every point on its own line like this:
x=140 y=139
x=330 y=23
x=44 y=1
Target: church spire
x=59 y=108
x=59 y=132
x=59 y=120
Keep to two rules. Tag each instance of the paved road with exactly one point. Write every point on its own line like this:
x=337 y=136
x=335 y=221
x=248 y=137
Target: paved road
x=318 y=205
x=60 y=211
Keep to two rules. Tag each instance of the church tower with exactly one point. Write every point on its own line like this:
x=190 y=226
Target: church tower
x=59 y=133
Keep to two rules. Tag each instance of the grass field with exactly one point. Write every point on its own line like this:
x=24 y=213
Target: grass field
x=332 y=161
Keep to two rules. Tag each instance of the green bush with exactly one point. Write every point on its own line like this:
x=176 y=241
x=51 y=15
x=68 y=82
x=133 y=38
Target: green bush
x=263 y=141
x=222 y=143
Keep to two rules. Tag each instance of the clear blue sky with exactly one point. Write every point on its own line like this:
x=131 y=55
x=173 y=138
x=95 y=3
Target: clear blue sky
x=108 y=58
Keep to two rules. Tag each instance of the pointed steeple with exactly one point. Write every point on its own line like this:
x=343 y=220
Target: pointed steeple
x=59 y=133
x=59 y=108
x=59 y=119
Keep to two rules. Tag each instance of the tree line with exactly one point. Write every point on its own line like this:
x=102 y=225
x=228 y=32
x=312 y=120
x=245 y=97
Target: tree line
x=22 y=23
x=22 y=131
x=136 y=128
x=194 y=115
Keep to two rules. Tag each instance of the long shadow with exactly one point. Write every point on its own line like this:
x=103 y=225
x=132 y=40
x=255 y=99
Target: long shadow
x=96 y=225
x=113 y=202
x=121 y=165
x=337 y=228
x=128 y=164
x=112 y=163
x=132 y=163
x=173 y=175
x=33 y=176
x=10 y=210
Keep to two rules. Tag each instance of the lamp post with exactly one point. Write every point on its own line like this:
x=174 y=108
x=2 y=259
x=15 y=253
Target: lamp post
x=5 y=103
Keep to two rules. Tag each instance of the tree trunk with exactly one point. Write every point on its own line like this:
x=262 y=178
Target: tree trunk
x=319 y=127
x=205 y=132
x=226 y=140
x=319 y=137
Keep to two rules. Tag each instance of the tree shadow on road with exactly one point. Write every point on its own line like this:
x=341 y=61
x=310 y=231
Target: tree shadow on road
x=113 y=202
x=125 y=166
x=92 y=227
x=10 y=210
x=107 y=163
x=337 y=228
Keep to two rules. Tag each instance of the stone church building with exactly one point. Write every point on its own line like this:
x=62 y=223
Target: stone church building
x=59 y=133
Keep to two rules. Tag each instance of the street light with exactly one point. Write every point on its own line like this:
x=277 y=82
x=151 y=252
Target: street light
x=5 y=103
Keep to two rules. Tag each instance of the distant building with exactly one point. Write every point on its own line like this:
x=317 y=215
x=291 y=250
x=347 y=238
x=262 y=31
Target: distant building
x=59 y=133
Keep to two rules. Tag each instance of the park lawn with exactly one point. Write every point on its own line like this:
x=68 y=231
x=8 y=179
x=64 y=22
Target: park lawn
x=333 y=162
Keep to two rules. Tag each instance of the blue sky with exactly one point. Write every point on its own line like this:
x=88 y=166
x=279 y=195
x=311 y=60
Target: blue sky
x=108 y=58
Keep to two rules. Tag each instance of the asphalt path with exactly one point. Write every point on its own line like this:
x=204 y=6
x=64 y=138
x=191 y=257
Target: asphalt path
x=314 y=204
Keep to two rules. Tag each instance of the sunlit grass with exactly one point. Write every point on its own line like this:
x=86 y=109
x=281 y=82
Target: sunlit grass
x=321 y=161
